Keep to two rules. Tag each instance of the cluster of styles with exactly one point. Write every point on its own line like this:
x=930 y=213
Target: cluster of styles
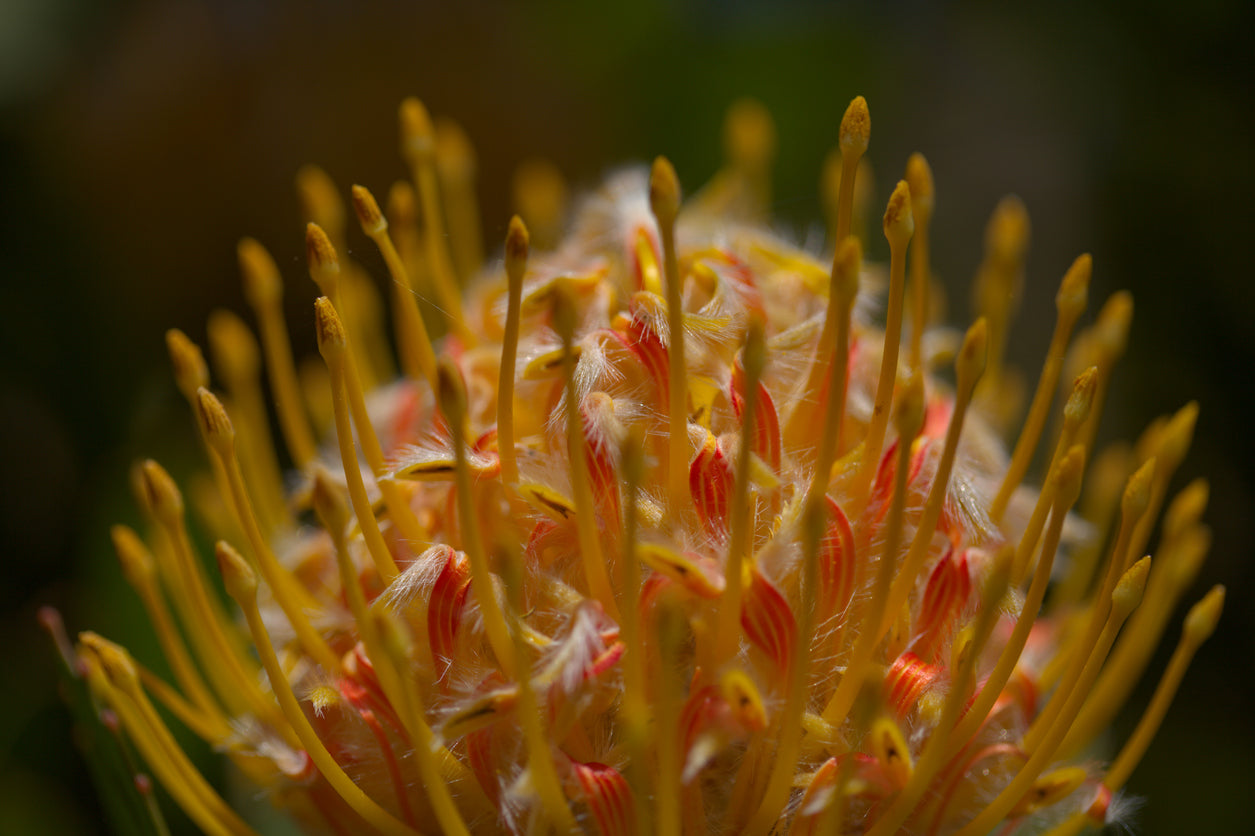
x=653 y=531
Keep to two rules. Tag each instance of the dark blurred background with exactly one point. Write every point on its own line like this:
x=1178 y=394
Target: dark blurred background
x=140 y=140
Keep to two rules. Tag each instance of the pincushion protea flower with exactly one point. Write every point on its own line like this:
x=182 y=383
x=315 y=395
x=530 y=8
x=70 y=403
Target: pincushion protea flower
x=663 y=536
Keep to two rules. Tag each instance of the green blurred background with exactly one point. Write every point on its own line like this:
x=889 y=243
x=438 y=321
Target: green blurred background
x=140 y=140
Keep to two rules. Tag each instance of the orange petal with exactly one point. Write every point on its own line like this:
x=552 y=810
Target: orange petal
x=945 y=596
x=608 y=796
x=766 y=420
x=644 y=341
x=906 y=681
x=836 y=563
x=448 y=596
x=767 y=620
x=710 y=482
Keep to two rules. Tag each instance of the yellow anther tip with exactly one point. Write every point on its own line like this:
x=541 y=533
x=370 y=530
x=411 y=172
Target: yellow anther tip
x=161 y=492
x=1128 y=592
x=749 y=133
x=1203 y=617
x=1082 y=397
x=919 y=177
x=137 y=561
x=1178 y=435
x=329 y=327
x=117 y=664
x=970 y=363
x=664 y=191
x=237 y=356
x=213 y=418
x=899 y=223
x=539 y=190
x=417 y=132
x=1074 y=289
x=1006 y=237
x=1189 y=554
x=455 y=155
x=319 y=251
x=517 y=244
x=367 y=210
x=1137 y=492
x=320 y=200
x=403 y=204
x=190 y=370
x=856 y=128
x=1113 y=322
x=1186 y=508
x=238 y=577
x=262 y=284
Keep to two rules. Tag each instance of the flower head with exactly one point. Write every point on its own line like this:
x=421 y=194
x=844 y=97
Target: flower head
x=656 y=531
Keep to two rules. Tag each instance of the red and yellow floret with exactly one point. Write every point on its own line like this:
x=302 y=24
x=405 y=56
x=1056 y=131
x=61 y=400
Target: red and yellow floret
x=656 y=532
